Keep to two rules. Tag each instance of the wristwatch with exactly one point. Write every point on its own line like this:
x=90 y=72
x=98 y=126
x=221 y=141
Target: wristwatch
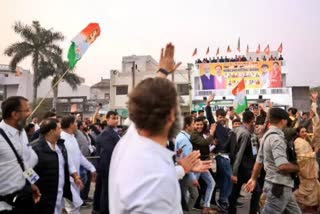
x=164 y=71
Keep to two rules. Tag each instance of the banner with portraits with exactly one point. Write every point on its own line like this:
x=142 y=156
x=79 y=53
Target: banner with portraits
x=220 y=76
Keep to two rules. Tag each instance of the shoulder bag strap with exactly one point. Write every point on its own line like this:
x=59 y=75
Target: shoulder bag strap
x=20 y=161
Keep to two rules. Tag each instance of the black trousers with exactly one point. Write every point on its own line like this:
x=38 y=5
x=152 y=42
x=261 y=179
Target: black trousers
x=84 y=193
x=97 y=193
x=243 y=177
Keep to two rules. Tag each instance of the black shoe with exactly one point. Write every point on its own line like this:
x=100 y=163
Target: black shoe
x=85 y=205
x=239 y=204
x=223 y=206
x=89 y=200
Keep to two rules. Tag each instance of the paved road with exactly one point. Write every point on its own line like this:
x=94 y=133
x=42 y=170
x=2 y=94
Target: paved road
x=243 y=210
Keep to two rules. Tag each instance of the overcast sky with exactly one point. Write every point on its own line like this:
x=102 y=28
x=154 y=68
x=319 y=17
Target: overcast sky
x=142 y=27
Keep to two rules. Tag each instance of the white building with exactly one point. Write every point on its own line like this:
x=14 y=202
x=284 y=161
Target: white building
x=15 y=83
x=146 y=66
x=20 y=83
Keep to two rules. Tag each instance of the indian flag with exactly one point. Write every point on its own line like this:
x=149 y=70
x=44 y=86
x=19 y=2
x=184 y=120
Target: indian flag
x=240 y=101
x=81 y=43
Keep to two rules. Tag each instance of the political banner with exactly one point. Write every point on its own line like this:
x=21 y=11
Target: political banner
x=220 y=76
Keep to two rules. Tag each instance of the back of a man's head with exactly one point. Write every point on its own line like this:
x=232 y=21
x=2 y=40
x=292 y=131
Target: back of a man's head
x=276 y=115
x=247 y=117
x=150 y=104
x=10 y=105
x=67 y=121
x=47 y=125
x=49 y=114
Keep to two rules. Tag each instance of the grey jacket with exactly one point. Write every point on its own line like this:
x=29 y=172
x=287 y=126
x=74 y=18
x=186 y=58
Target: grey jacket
x=245 y=154
x=84 y=143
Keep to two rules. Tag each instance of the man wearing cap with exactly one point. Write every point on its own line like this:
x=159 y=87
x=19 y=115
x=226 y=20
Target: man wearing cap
x=273 y=156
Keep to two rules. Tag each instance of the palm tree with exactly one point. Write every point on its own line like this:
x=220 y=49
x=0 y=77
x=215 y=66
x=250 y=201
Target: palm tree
x=39 y=43
x=57 y=69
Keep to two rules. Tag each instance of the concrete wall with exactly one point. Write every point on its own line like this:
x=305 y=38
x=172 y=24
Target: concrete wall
x=98 y=93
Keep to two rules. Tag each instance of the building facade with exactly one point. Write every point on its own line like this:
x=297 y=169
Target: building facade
x=134 y=70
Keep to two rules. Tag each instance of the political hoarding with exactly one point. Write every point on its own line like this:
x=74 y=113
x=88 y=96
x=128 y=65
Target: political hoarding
x=221 y=76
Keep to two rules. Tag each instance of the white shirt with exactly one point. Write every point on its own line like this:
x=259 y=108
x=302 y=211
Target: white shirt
x=11 y=177
x=77 y=159
x=142 y=177
x=58 y=207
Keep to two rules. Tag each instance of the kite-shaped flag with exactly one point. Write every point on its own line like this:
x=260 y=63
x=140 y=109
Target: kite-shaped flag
x=81 y=43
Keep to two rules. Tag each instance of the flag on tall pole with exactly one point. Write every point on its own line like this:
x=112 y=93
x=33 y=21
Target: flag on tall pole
x=218 y=51
x=280 y=48
x=207 y=51
x=240 y=100
x=267 y=50
x=229 y=49
x=238 y=47
x=258 y=49
x=247 y=49
x=194 y=52
x=81 y=43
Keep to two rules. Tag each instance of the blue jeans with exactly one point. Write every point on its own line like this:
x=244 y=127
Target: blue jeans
x=210 y=183
x=224 y=173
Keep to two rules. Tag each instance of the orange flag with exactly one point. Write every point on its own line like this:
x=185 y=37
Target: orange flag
x=229 y=49
x=207 y=51
x=280 y=48
x=267 y=50
x=258 y=49
x=218 y=51
x=194 y=52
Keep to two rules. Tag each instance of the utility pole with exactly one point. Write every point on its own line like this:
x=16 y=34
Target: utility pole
x=190 y=87
x=133 y=74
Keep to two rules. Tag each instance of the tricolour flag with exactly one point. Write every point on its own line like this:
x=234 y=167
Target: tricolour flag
x=238 y=47
x=280 y=48
x=81 y=43
x=229 y=49
x=258 y=49
x=218 y=51
x=240 y=100
x=267 y=50
x=194 y=52
x=207 y=51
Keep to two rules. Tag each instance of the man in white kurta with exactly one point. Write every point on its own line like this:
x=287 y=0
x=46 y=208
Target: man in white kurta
x=74 y=155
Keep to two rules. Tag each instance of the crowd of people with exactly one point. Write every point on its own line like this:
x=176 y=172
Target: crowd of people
x=237 y=58
x=154 y=164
